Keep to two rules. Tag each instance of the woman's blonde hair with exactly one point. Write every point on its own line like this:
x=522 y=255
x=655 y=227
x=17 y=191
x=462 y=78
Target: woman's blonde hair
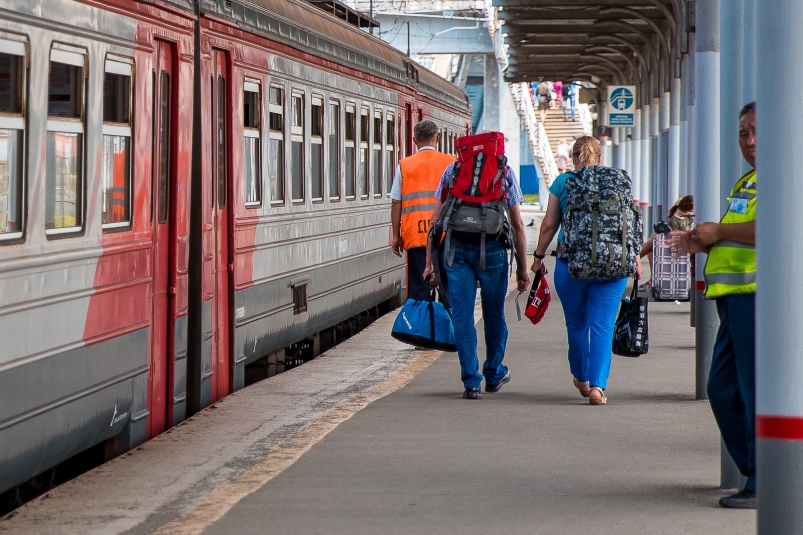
x=587 y=151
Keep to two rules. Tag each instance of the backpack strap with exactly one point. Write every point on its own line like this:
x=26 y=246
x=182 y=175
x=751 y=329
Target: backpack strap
x=483 y=233
x=452 y=203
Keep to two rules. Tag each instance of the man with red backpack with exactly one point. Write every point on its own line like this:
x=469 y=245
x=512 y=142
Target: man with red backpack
x=476 y=221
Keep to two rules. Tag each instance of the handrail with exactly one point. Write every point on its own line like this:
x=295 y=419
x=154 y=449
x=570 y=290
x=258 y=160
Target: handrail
x=585 y=119
x=539 y=141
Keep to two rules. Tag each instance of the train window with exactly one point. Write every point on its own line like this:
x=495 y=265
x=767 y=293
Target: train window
x=222 y=136
x=316 y=148
x=350 y=152
x=376 y=156
x=116 y=154
x=364 y=178
x=297 y=147
x=64 y=152
x=276 y=153
x=333 y=151
x=12 y=125
x=390 y=151
x=252 y=111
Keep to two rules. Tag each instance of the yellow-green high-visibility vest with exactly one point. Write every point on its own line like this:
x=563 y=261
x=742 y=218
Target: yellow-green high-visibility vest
x=731 y=266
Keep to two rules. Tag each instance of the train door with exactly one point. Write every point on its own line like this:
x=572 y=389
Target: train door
x=165 y=240
x=224 y=264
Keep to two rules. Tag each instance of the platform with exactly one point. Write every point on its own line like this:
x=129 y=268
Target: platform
x=373 y=437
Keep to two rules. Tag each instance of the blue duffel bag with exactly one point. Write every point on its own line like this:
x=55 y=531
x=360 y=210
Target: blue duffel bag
x=425 y=324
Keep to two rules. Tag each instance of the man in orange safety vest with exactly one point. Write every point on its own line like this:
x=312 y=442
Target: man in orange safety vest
x=412 y=201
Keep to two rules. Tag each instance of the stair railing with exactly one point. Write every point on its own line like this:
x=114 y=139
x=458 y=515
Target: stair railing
x=585 y=119
x=536 y=134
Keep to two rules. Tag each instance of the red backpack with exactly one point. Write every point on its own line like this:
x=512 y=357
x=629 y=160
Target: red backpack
x=474 y=196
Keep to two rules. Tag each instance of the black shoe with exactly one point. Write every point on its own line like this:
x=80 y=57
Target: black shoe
x=498 y=386
x=472 y=393
x=744 y=499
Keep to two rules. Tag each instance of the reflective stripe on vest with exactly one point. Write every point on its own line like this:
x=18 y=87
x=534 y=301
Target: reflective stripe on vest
x=731 y=266
x=421 y=174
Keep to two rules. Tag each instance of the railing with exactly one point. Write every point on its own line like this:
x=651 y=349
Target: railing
x=536 y=135
x=585 y=119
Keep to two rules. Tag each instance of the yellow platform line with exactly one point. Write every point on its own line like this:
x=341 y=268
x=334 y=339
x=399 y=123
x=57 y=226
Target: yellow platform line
x=223 y=498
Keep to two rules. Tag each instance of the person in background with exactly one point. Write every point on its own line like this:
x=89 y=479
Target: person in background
x=589 y=305
x=730 y=278
x=558 y=88
x=412 y=198
x=568 y=99
x=542 y=92
x=464 y=275
x=563 y=153
x=680 y=217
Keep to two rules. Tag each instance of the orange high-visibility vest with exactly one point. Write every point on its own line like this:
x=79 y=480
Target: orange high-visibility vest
x=420 y=173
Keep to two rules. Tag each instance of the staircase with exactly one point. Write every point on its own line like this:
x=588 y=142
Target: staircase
x=558 y=128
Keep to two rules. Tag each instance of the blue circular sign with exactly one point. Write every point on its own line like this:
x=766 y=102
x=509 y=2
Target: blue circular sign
x=621 y=98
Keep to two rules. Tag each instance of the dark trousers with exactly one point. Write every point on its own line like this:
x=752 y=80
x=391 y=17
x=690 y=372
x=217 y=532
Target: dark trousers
x=417 y=287
x=732 y=381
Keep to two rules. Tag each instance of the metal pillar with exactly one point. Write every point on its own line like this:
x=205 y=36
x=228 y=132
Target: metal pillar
x=645 y=168
x=635 y=159
x=779 y=300
x=750 y=76
x=731 y=68
x=674 y=149
x=731 y=101
x=706 y=191
x=662 y=129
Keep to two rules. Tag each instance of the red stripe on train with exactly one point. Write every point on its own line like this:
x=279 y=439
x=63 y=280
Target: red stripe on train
x=779 y=427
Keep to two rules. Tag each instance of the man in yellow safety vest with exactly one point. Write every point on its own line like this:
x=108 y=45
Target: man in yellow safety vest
x=412 y=201
x=730 y=278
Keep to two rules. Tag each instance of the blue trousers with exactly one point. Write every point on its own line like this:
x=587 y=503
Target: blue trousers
x=463 y=274
x=590 y=307
x=732 y=381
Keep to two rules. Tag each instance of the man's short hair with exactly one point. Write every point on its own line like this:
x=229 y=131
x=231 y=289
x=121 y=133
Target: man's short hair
x=425 y=130
x=748 y=108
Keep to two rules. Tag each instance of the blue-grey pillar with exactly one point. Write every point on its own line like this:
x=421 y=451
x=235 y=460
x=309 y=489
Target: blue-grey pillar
x=706 y=192
x=635 y=159
x=779 y=295
x=674 y=141
x=645 y=167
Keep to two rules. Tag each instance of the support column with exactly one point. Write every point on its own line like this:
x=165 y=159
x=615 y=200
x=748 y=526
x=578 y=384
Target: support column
x=706 y=192
x=635 y=159
x=731 y=68
x=663 y=157
x=646 y=168
x=779 y=300
x=750 y=50
x=490 y=105
x=674 y=149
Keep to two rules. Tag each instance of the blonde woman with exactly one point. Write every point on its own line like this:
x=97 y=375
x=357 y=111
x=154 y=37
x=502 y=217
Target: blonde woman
x=589 y=305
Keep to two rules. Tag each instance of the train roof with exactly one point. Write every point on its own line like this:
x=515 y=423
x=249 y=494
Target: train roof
x=300 y=25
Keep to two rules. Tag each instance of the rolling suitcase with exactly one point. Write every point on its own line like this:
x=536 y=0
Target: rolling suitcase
x=671 y=277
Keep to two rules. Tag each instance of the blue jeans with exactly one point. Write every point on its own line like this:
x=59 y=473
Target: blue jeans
x=463 y=274
x=590 y=307
x=732 y=381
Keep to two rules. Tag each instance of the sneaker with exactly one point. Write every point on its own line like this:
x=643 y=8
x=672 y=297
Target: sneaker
x=744 y=499
x=472 y=393
x=498 y=386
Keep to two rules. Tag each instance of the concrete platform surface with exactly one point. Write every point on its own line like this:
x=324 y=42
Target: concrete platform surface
x=373 y=437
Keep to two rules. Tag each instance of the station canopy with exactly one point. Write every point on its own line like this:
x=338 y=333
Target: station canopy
x=601 y=41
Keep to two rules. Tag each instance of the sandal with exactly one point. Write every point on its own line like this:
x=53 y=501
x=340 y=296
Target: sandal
x=597 y=396
x=582 y=386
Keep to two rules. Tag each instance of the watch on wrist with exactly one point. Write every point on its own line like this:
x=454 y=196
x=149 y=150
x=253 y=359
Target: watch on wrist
x=539 y=256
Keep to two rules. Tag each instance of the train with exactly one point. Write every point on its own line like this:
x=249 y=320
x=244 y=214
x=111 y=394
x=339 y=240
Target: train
x=186 y=187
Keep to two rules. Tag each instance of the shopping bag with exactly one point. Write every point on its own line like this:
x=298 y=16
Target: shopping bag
x=539 y=299
x=630 y=335
x=425 y=324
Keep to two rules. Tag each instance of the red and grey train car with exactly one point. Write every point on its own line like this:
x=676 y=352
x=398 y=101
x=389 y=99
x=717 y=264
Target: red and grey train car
x=185 y=188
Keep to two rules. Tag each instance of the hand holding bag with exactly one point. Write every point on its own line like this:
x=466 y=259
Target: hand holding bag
x=630 y=335
x=538 y=301
x=425 y=324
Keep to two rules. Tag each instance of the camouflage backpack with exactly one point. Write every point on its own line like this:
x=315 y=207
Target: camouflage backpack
x=602 y=226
